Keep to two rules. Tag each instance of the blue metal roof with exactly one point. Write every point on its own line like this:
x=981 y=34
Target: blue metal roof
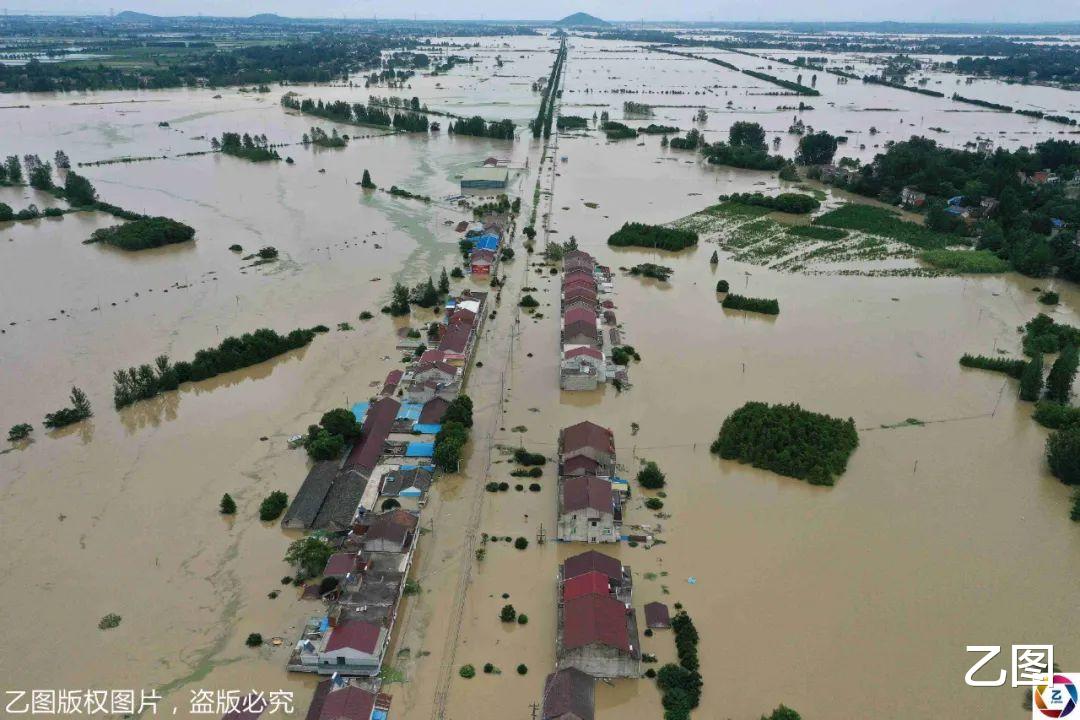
x=956 y=199
x=486 y=242
x=428 y=429
x=418 y=449
x=410 y=411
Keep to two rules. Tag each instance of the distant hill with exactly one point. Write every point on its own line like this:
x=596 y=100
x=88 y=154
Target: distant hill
x=581 y=19
x=268 y=18
x=132 y=16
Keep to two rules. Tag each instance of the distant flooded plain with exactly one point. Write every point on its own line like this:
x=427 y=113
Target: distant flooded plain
x=940 y=535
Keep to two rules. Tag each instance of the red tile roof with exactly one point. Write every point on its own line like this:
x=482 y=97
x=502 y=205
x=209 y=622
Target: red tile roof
x=440 y=366
x=586 y=434
x=340 y=564
x=584 y=350
x=482 y=254
x=462 y=315
x=432 y=356
x=590 y=561
x=591 y=583
x=581 y=328
x=585 y=281
x=392 y=380
x=433 y=411
x=580 y=465
x=354 y=635
x=456 y=339
x=579 y=291
x=376 y=428
x=579 y=314
x=586 y=491
x=595 y=619
x=348 y=703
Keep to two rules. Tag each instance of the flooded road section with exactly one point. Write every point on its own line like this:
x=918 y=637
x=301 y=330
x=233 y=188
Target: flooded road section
x=938 y=536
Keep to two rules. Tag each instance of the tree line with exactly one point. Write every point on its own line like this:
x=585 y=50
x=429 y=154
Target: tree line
x=233 y=353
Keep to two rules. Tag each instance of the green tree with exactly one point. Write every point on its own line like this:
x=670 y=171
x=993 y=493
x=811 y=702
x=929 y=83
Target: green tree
x=273 y=505
x=324 y=445
x=78 y=189
x=41 y=176
x=650 y=477
x=6 y=213
x=309 y=554
x=508 y=614
x=19 y=432
x=341 y=421
x=366 y=182
x=1060 y=380
x=747 y=134
x=1063 y=454
x=228 y=505
x=399 y=305
x=715 y=259
x=1031 y=379
x=14 y=169
x=444 y=283
x=782 y=713
x=816 y=149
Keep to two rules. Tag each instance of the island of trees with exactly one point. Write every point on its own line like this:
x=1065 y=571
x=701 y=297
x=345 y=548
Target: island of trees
x=795 y=203
x=766 y=306
x=250 y=147
x=144 y=233
x=635 y=234
x=788 y=440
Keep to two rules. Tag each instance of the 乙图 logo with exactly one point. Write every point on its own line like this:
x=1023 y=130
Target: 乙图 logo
x=1056 y=700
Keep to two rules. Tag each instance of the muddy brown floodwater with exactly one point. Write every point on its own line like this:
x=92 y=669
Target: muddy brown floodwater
x=863 y=595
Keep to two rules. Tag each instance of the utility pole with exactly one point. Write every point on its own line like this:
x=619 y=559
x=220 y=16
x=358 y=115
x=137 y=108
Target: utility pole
x=534 y=707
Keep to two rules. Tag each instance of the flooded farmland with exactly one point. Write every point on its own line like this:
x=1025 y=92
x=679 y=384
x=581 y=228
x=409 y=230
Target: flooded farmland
x=941 y=534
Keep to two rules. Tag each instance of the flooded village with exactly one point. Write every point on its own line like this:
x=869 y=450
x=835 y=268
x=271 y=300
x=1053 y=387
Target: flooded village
x=506 y=493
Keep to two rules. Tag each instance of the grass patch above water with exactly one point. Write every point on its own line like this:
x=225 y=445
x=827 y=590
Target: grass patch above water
x=886 y=223
x=965 y=261
x=817 y=232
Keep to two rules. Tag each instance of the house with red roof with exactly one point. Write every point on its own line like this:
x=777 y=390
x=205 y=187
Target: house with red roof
x=569 y=695
x=582 y=332
x=455 y=344
x=354 y=647
x=593 y=561
x=480 y=261
x=598 y=636
x=591 y=583
x=582 y=368
x=589 y=440
x=587 y=510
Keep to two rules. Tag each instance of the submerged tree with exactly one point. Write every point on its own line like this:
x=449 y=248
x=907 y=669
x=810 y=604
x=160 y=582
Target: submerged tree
x=1031 y=379
x=366 y=182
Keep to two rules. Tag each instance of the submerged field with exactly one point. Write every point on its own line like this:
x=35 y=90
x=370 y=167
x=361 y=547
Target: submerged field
x=933 y=538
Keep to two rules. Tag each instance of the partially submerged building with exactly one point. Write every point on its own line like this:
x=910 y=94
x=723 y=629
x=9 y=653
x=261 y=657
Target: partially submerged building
x=597 y=625
x=569 y=694
x=486 y=177
x=593 y=443
x=589 y=510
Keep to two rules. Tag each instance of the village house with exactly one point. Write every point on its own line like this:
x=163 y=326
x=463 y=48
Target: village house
x=408 y=481
x=569 y=695
x=598 y=632
x=480 y=261
x=338 y=699
x=439 y=372
x=582 y=332
x=910 y=197
x=390 y=532
x=582 y=368
x=588 y=440
x=588 y=510
x=354 y=647
x=570 y=295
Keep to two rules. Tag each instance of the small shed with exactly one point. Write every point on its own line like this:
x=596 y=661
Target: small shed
x=657 y=616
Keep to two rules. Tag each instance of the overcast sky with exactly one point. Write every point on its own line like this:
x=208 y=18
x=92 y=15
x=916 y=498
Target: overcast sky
x=864 y=10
